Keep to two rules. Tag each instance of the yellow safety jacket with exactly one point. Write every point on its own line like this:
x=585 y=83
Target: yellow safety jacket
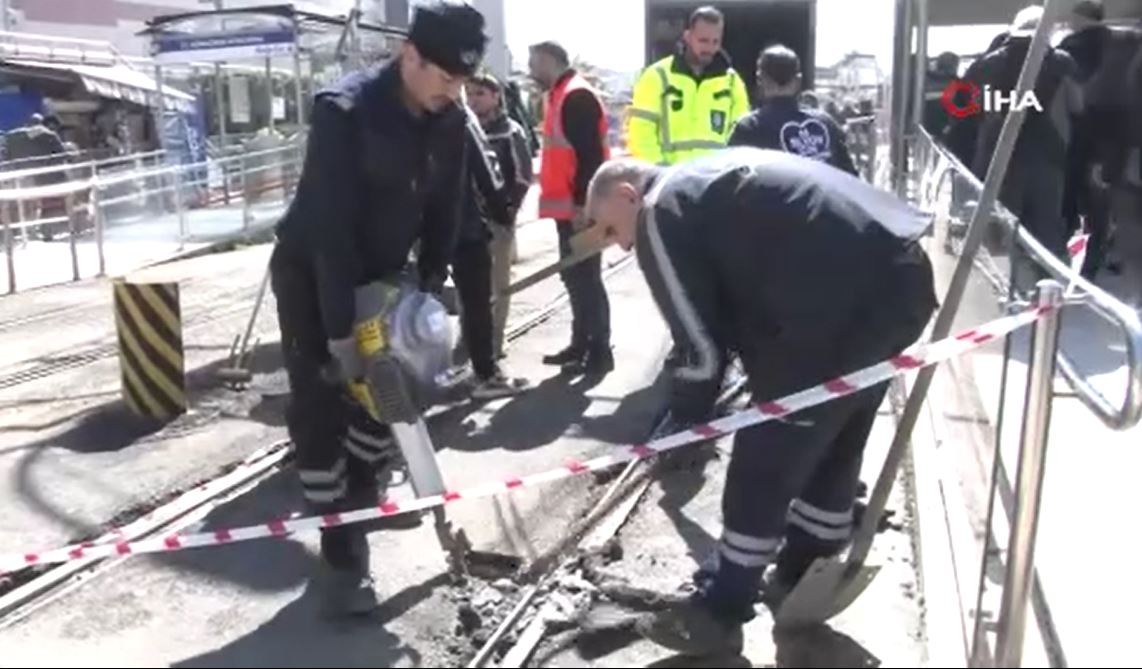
x=676 y=115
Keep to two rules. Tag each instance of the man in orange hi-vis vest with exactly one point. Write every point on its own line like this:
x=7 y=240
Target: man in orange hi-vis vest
x=574 y=146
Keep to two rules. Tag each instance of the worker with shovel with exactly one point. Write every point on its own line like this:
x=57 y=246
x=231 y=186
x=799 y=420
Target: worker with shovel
x=381 y=172
x=807 y=273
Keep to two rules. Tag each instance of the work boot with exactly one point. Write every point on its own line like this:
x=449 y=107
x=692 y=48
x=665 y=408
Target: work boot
x=345 y=593
x=692 y=629
x=570 y=354
x=498 y=385
x=344 y=582
x=597 y=362
x=775 y=587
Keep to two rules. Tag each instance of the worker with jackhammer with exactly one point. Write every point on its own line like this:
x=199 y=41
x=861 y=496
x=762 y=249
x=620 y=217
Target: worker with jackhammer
x=382 y=172
x=806 y=273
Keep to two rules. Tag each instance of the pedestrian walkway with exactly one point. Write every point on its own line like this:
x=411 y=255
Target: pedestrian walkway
x=131 y=243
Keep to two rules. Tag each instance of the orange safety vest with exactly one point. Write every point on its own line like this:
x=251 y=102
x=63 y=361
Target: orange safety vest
x=557 y=159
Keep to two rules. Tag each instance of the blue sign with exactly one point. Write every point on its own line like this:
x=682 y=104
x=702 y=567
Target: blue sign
x=213 y=48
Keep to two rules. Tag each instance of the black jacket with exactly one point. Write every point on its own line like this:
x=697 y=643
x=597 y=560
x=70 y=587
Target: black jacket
x=376 y=180
x=806 y=271
x=1045 y=136
x=783 y=124
x=510 y=141
x=486 y=196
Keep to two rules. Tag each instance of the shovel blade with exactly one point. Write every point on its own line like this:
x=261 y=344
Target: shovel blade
x=827 y=589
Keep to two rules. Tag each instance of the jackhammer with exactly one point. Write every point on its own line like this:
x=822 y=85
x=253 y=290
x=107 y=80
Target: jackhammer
x=404 y=337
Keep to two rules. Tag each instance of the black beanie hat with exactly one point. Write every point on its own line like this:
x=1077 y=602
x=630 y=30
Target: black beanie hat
x=450 y=34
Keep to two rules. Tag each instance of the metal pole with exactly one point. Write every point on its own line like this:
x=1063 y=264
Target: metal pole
x=98 y=220
x=246 y=194
x=899 y=129
x=1029 y=480
x=919 y=84
x=951 y=304
x=253 y=316
x=8 y=247
x=298 y=91
x=270 y=90
x=220 y=107
x=69 y=207
x=5 y=23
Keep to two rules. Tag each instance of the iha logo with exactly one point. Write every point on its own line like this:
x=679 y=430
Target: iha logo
x=984 y=99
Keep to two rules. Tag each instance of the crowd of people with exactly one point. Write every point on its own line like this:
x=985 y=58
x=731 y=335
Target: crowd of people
x=1073 y=149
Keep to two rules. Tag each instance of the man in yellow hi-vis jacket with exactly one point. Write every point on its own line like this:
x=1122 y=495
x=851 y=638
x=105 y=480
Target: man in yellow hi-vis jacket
x=686 y=105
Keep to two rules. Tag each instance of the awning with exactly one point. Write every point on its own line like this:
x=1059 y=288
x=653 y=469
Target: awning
x=117 y=82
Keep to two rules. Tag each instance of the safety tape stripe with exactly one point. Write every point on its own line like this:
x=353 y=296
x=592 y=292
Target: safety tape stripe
x=917 y=356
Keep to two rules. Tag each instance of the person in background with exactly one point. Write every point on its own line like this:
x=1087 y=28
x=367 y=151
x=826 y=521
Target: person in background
x=686 y=105
x=1097 y=155
x=574 y=145
x=946 y=70
x=510 y=142
x=1033 y=187
x=782 y=123
x=486 y=209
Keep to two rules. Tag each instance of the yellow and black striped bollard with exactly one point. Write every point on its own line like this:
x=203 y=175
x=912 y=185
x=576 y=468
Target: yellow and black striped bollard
x=149 y=323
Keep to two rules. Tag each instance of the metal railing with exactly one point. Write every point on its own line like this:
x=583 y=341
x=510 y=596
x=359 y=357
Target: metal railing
x=174 y=190
x=65 y=165
x=938 y=172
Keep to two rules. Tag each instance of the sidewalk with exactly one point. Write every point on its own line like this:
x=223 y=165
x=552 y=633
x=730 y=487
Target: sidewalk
x=132 y=243
x=1088 y=489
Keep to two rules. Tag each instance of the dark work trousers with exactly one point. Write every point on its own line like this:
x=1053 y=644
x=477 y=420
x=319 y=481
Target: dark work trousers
x=590 y=309
x=1033 y=191
x=1091 y=199
x=472 y=272
x=336 y=444
x=791 y=480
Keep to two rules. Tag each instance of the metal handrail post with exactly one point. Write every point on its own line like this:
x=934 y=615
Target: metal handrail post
x=1012 y=621
x=180 y=207
x=73 y=232
x=97 y=219
x=996 y=172
x=9 y=249
x=898 y=152
x=920 y=80
x=246 y=194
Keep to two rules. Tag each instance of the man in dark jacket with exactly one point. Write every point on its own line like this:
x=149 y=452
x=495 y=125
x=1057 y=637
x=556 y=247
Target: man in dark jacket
x=486 y=207
x=513 y=150
x=945 y=71
x=1033 y=188
x=381 y=172
x=782 y=123
x=1098 y=152
x=807 y=273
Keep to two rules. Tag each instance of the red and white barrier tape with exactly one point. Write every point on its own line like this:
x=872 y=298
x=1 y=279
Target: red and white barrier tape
x=914 y=358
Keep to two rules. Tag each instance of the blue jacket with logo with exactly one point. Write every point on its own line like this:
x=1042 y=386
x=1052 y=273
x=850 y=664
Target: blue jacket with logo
x=783 y=124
